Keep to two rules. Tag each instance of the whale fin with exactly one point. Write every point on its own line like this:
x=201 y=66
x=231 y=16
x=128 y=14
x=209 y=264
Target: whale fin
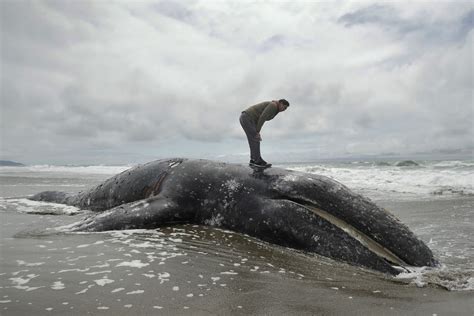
x=148 y=214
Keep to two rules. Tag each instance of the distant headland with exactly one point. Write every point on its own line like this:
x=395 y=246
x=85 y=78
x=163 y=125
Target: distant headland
x=8 y=163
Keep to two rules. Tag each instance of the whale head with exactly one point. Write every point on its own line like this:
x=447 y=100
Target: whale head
x=372 y=226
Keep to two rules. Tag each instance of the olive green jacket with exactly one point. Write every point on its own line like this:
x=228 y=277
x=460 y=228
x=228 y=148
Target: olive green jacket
x=261 y=112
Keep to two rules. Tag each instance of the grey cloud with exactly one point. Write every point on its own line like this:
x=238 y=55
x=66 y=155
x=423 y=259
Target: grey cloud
x=43 y=24
x=467 y=23
x=453 y=131
x=384 y=15
x=174 y=9
x=121 y=80
x=141 y=132
x=421 y=27
x=86 y=11
x=273 y=42
x=37 y=37
x=364 y=121
x=283 y=41
x=77 y=128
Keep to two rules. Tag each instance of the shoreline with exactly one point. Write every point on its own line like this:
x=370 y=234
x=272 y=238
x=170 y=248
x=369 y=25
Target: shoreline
x=192 y=270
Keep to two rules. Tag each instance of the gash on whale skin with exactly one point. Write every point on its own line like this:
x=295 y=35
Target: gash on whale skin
x=292 y=209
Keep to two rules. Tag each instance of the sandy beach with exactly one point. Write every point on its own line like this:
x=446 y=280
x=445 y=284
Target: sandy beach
x=192 y=270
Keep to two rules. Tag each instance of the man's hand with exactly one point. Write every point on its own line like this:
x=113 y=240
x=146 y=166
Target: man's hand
x=258 y=137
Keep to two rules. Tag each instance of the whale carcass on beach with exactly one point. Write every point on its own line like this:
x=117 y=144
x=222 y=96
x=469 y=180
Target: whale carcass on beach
x=293 y=209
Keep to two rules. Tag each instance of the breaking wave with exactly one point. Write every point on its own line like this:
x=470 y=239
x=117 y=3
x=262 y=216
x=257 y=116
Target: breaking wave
x=414 y=179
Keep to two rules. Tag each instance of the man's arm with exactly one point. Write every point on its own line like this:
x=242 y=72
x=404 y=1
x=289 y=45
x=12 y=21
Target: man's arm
x=270 y=111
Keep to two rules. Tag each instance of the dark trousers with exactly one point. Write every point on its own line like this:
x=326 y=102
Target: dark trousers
x=251 y=131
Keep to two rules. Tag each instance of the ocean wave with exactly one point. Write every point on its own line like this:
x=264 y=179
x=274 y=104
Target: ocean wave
x=24 y=205
x=393 y=180
x=443 y=276
x=41 y=185
x=100 y=169
x=452 y=191
x=454 y=164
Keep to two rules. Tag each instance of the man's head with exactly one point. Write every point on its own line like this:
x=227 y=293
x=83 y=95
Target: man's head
x=283 y=105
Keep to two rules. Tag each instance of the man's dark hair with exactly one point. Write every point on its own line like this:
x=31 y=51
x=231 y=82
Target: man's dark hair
x=283 y=101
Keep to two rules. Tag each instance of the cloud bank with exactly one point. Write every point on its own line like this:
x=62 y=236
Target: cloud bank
x=117 y=81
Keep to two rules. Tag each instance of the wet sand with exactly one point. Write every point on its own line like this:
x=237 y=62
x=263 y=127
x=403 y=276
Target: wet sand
x=191 y=270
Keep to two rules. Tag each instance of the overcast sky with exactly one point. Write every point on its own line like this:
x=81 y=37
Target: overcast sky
x=132 y=81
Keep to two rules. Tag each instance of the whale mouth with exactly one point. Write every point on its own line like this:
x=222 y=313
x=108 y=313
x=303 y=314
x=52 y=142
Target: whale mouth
x=365 y=240
x=353 y=232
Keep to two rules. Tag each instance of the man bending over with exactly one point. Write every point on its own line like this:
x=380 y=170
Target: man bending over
x=252 y=120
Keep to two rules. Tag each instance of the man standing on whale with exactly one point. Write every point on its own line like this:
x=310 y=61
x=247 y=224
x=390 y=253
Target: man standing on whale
x=252 y=120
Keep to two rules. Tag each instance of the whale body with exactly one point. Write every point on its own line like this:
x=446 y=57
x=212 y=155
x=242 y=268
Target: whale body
x=304 y=211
